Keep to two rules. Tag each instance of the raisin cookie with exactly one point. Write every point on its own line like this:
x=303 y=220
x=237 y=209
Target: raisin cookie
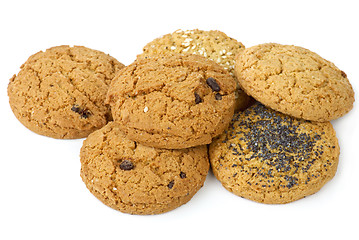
x=60 y=93
x=136 y=179
x=269 y=157
x=213 y=44
x=172 y=101
x=294 y=81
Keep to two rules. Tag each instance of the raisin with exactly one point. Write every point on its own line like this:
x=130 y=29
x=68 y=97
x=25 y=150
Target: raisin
x=212 y=83
x=197 y=98
x=343 y=74
x=76 y=108
x=84 y=113
x=170 y=185
x=126 y=165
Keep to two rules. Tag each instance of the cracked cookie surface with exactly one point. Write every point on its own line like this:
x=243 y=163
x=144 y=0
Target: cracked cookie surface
x=136 y=179
x=269 y=157
x=294 y=81
x=60 y=93
x=214 y=45
x=172 y=101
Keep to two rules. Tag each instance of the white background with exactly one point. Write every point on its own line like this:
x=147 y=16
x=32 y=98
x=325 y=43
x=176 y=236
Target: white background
x=41 y=193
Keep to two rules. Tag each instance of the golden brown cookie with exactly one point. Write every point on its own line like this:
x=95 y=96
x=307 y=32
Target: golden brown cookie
x=213 y=44
x=60 y=93
x=269 y=157
x=172 y=101
x=135 y=179
x=294 y=81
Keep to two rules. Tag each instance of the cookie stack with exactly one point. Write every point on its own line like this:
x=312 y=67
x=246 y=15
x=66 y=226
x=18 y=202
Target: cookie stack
x=149 y=124
x=282 y=148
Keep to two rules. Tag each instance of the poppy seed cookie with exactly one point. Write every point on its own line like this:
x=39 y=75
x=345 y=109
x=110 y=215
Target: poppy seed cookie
x=135 y=179
x=269 y=157
x=294 y=81
x=60 y=93
x=214 y=45
x=172 y=101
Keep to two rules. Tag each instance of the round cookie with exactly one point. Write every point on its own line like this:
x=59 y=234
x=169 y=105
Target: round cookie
x=269 y=157
x=60 y=93
x=294 y=81
x=172 y=101
x=136 y=179
x=213 y=44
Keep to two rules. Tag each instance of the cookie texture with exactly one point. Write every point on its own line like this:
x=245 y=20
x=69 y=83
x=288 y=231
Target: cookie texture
x=172 y=101
x=60 y=93
x=269 y=157
x=294 y=81
x=136 y=179
x=214 y=45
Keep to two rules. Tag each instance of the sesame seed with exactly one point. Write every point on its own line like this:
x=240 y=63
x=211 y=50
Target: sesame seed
x=145 y=109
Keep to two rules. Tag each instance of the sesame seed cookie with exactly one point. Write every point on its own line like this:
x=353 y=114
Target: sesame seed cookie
x=60 y=93
x=136 y=179
x=294 y=81
x=213 y=44
x=172 y=101
x=269 y=157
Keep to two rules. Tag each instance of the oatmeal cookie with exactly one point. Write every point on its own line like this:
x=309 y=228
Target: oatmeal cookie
x=60 y=93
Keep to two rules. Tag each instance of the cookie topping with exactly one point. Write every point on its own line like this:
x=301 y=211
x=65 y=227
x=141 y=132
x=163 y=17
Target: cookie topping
x=212 y=83
x=277 y=142
x=145 y=109
x=183 y=175
x=126 y=165
x=84 y=113
x=218 y=96
x=197 y=98
x=170 y=185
